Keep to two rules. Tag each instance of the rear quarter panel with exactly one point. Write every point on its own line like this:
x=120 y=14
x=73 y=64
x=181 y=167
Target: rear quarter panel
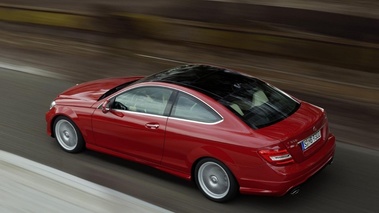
x=231 y=141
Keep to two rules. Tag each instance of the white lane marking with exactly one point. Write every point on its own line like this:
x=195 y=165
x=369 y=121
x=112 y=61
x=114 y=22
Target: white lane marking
x=314 y=78
x=160 y=58
x=41 y=186
x=31 y=70
x=272 y=70
x=41 y=72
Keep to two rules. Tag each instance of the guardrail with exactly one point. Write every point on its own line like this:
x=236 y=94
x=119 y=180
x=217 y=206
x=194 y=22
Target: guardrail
x=266 y=38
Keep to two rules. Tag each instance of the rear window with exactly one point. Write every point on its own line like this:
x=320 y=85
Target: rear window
x=258 y=104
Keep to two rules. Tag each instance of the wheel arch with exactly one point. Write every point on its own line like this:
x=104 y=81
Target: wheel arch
x=216 y=154
x=65 y=112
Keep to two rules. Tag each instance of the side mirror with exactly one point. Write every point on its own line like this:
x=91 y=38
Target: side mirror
x=105 y=107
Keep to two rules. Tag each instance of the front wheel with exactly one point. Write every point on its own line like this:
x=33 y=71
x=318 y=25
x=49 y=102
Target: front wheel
x=68 y=135
x=215 y=180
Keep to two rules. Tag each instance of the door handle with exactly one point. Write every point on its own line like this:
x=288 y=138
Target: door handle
x=152 y=125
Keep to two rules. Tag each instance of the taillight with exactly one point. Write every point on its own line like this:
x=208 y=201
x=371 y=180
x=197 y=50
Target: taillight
x=277 y=157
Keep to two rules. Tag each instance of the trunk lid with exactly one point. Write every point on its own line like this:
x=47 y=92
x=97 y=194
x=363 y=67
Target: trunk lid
x=303 y=124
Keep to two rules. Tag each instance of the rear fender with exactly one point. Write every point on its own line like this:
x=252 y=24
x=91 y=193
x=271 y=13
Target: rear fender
x=210 y=152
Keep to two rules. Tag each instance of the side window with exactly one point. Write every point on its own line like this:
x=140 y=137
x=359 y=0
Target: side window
x=151 y=100
x=190 y=108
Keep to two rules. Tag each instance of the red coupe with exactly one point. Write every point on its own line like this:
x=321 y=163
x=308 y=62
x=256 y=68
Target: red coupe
x=229 y=132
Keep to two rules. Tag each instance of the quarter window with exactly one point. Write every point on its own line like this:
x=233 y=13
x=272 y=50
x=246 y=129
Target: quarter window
x=191 y=108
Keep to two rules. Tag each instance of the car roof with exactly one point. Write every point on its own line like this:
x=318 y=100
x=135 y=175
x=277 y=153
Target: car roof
x=214 y=81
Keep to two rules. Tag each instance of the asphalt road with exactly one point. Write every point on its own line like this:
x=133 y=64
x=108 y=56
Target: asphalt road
x=349 y=185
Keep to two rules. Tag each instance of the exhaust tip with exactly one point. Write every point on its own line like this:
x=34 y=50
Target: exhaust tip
x=295 y=191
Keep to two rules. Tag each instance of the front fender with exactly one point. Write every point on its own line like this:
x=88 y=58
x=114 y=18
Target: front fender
x=55 y=112
x=79 y=115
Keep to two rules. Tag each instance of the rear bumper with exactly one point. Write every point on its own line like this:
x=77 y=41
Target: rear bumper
x=283 y=179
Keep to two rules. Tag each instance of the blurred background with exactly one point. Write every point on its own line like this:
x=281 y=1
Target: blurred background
x=325 y=52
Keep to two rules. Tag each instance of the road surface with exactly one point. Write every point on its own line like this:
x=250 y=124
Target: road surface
x=349 y=185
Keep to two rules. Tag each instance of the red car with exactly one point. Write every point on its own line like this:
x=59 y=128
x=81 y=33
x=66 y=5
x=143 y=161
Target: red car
x=227 y=131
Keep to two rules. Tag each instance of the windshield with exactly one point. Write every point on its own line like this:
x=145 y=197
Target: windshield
x=115 y=89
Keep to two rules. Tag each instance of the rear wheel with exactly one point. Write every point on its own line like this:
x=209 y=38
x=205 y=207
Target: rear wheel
x=68 y=135
x=215 y=180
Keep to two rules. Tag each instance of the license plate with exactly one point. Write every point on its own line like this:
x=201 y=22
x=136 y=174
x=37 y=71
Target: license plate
x=306 y=143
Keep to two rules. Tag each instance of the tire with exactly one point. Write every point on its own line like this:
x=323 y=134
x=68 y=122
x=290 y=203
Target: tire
x=68 y=135
x=215 y=180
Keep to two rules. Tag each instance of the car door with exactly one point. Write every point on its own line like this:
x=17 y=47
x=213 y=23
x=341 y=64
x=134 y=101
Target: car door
x=135 y=124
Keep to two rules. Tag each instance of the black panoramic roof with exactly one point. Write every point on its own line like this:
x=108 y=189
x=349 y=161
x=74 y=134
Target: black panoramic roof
x=213 y=81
